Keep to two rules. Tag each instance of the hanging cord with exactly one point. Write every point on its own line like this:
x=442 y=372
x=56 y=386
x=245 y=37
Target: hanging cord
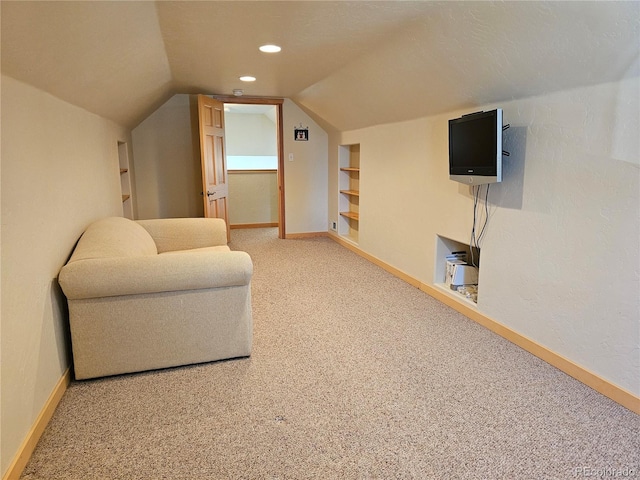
x=486 y=215
x=472 y=241
x=476 y=240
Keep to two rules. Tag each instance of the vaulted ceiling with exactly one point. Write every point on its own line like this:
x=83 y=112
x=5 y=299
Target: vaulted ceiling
x=351 y=63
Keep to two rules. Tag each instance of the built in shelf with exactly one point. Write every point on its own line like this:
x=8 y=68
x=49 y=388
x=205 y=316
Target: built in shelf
x=445 y=247
x=352 y=215
x=349 y=192
x=455 y=295
x=125 y=180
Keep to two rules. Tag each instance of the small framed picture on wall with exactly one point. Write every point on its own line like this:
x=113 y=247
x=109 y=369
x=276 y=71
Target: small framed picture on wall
x=301 y=134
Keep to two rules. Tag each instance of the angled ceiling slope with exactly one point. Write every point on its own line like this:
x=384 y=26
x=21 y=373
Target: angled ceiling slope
x=462 y=55
x=106 y=57
x=352 y=63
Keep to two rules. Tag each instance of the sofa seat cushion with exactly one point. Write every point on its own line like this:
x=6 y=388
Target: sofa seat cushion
x=114 y=237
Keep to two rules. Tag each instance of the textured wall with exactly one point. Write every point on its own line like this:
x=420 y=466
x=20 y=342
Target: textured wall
x=250 y=134
x=59 y=173
x=166 y=159
x=165 y=167
x=306 y=177
x=569 y=214
x=254 y=197
x=560 y=258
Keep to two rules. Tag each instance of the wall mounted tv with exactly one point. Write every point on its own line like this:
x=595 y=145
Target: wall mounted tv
x=475 y=148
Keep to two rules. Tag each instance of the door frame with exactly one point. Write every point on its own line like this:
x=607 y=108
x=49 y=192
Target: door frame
x=277 y=102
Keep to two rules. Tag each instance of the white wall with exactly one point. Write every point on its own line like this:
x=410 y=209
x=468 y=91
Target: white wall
x=166 y=159
x=559 y=263
x=253 y=196
x=306 y=177
x=250 y=134
x=59 y=173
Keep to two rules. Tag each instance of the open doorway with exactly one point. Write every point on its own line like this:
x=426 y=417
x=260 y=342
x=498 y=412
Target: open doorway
x=253 y=138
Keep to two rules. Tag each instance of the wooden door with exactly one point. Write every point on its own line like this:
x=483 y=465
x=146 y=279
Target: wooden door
x=213 y=158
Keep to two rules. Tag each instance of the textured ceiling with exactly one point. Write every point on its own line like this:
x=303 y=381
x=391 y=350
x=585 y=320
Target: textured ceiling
x=353 y=64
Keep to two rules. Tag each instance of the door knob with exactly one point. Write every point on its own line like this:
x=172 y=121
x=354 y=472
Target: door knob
x=209 y=194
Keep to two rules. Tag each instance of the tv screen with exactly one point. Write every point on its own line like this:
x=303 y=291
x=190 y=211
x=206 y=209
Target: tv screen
x=475 y=148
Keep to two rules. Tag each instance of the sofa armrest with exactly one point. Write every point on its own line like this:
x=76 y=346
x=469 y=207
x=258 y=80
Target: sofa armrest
x=115 y=276
x=185 y=233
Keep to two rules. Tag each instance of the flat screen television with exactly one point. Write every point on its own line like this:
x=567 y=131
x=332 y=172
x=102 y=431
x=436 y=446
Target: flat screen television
x=475 y=148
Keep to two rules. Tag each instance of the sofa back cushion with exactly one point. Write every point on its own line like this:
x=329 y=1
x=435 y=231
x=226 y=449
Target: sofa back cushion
x=114 y=237
x=171 y=234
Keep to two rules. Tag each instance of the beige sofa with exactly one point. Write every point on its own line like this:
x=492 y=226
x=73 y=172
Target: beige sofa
x=152 y=294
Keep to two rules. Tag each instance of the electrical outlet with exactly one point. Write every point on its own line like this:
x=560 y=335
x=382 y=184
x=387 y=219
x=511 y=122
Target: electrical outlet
x=334 y=226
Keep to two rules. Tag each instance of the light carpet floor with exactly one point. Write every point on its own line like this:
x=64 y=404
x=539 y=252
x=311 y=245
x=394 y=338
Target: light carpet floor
x=354 y=375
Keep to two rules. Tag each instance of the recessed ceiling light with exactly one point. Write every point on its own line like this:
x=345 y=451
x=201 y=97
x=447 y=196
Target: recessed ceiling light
x=248 y=78
x=270 y=48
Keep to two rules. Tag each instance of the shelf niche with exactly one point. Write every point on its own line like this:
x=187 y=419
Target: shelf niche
x=444 y=247
x=349 y=196
x=125 y=180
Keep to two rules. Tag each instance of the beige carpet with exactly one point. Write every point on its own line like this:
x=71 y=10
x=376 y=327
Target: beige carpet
x=354 y=375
